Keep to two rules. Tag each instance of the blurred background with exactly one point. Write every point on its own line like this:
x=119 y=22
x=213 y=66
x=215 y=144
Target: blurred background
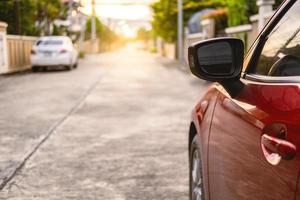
x=166 y=27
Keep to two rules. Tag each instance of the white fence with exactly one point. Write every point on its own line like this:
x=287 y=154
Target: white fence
x=19 y=48
x=14 y=51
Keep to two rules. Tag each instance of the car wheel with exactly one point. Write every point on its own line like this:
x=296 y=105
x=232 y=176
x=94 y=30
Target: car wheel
x=69 y=67
x=35 y=69
x=195 y=172
x=76 y=65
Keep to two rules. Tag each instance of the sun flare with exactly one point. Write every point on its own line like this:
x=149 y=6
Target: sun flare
x=131 y=13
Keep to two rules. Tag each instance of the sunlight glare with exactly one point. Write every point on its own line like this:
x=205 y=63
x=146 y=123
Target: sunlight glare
x=130 y=16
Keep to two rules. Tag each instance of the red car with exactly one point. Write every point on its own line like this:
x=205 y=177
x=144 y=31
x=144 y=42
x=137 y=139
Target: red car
x=244 y=137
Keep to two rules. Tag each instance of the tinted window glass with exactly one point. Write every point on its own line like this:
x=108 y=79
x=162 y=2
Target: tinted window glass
x=281 y=53
x=49 y=42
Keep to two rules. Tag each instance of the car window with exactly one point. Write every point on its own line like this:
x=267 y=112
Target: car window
x=281 y=53
x=49 y=42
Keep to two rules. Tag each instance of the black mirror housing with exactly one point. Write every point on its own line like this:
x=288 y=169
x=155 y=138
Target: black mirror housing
x=218 y=60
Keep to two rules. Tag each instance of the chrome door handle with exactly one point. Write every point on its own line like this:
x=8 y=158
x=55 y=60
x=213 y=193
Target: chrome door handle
x=273 y=146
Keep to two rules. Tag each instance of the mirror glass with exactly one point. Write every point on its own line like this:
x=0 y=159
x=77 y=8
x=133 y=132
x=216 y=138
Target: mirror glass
x=216 y=58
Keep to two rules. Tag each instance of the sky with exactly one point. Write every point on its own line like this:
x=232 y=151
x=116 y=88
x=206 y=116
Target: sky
x=125 y=16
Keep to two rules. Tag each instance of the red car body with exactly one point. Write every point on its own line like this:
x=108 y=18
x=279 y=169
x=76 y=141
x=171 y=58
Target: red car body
x=232 y=133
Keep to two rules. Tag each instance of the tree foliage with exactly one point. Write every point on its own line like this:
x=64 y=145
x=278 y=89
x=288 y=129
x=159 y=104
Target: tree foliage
x=220 y=16
x=239 y=11
x=165 y=15
x=164 y=21
x=107 y=36
x=37 y=16
x=30 y=12
x=49 y=9
x=27 y=12
x=277 y=3
x=143 y=34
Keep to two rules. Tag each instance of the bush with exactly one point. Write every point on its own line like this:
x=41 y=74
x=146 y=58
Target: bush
x=220 y=17
x=81 y=54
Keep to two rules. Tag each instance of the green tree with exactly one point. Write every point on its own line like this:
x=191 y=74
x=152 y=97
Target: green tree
x=47 y=12
x=277 y=3
x=31 y=11
x=143 y=34
x=7 y=15
x=165 y=20
x=165 y=15
x=27 y=15
x=108 y=38
x=99 y=28
x=238 y=11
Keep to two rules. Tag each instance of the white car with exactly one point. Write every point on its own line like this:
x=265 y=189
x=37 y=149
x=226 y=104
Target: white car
x=54 y=51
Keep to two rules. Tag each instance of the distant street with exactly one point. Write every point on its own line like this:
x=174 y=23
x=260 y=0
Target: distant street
x=113 y=129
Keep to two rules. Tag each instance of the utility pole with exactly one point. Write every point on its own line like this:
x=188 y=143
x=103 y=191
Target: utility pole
x=180 y=31
x=70 y=5
x=93 y=31
x=82 y=23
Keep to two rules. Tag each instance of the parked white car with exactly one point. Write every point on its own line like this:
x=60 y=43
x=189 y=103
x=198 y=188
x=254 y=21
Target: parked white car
x=54 y=51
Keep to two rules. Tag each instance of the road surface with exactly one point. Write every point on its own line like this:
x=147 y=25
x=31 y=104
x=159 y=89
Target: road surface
x=114 y=129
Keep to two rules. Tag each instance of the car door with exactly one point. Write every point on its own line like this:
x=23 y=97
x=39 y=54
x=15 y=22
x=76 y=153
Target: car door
x=298 y=189
x=247 y=130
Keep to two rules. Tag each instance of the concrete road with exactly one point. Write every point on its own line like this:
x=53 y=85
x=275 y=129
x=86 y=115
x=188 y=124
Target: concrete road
x=114 y=129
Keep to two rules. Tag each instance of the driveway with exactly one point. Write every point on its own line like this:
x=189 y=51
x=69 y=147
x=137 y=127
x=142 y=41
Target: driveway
x=114 y=129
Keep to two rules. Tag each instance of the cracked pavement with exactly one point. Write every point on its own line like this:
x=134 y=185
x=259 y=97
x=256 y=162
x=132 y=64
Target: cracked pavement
x=114 y=129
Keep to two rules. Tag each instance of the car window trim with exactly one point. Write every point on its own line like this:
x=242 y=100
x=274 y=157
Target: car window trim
x=262 y=38
x=271 y=79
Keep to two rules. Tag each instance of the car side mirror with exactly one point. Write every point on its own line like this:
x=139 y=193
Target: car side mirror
x=217 y=60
